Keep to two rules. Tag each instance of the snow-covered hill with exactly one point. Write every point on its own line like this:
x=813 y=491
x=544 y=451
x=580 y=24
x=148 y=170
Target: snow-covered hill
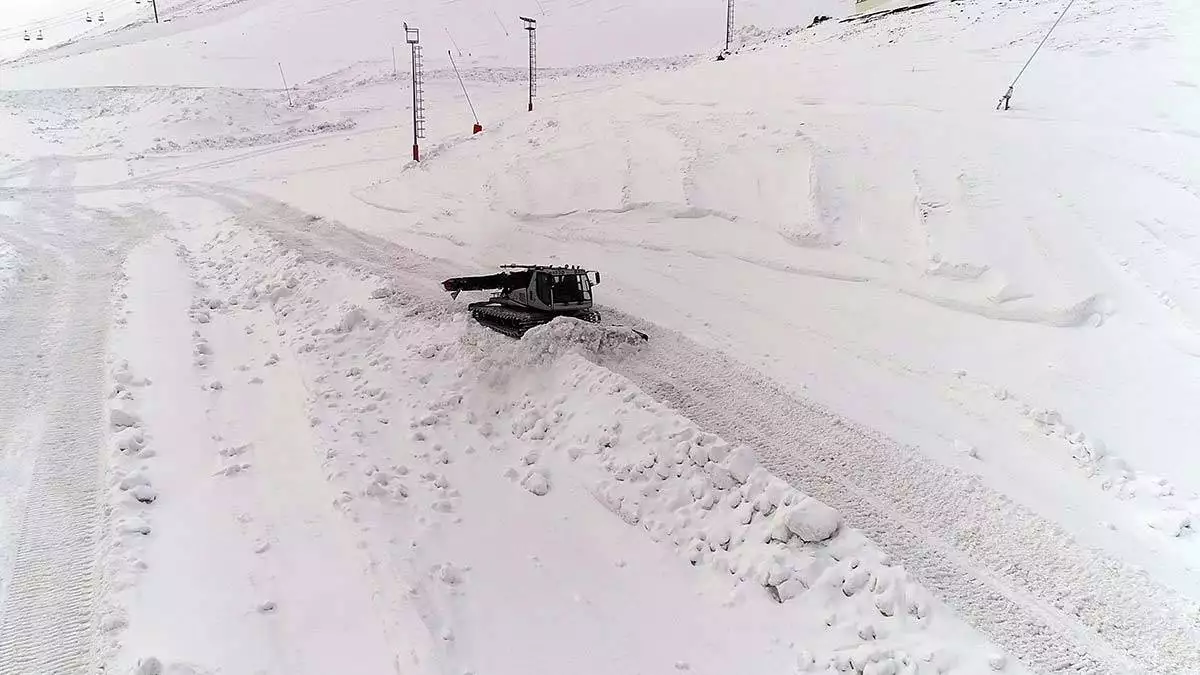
x=918 y=396
x=242 y=43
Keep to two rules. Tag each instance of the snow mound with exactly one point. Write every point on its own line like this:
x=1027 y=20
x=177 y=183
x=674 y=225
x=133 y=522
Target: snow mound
x=149 y=666
x=129 y=440
x=353 y=317
x=812 y=521
x=543 y=344
x=123 y=419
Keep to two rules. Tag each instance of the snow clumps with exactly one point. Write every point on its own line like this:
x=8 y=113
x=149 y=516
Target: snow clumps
x=536 y=481
x=719 y=507
x=123 y=419
x=811 y=520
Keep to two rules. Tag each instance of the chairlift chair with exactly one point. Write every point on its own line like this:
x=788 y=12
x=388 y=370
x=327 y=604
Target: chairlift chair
x=27 y=36
x=102 y=16
x=39 y=35
x=89 y=17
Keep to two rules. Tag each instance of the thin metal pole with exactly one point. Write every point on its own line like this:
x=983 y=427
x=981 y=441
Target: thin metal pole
x=285 y=86
x=395 y=73
x=1030 y=60
x=464 y=86
x=154 y=4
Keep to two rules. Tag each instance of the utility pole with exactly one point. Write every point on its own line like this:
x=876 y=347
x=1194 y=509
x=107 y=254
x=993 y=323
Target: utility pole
x=413 y=37
x=531 y=26
x=154 y=4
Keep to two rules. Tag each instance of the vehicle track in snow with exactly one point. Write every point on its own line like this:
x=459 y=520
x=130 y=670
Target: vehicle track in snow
x=1017 y=577
x=1022 y=580
x=57 y=327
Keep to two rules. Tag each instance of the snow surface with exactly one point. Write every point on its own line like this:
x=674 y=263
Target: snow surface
x=918 y=395
x=8 y=265
x=495 y=504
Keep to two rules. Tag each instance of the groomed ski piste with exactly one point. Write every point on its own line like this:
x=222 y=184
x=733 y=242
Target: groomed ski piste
x=918 y=395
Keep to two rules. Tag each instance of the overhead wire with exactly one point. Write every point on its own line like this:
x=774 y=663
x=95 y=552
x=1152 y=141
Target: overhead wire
x=74 y=17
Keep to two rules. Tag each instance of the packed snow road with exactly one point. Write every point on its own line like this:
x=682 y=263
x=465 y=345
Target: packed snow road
x=53 y=319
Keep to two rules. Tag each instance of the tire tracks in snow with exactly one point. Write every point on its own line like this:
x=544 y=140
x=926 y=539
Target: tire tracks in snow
x=29 y=315
x=1020 y=579
x=47 y=616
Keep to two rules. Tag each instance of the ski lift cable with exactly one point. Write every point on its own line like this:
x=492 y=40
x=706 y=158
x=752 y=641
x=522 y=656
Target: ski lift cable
x=52 y=23
x=70 y=18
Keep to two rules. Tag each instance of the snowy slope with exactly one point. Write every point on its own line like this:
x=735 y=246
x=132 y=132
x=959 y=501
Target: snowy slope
x=969 y=333
x=802 y=221
x=241 y=43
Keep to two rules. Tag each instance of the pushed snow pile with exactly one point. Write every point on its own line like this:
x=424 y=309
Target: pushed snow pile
x=543 y=344
x=717 y=505
x=152 y=120
x=225 y=142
